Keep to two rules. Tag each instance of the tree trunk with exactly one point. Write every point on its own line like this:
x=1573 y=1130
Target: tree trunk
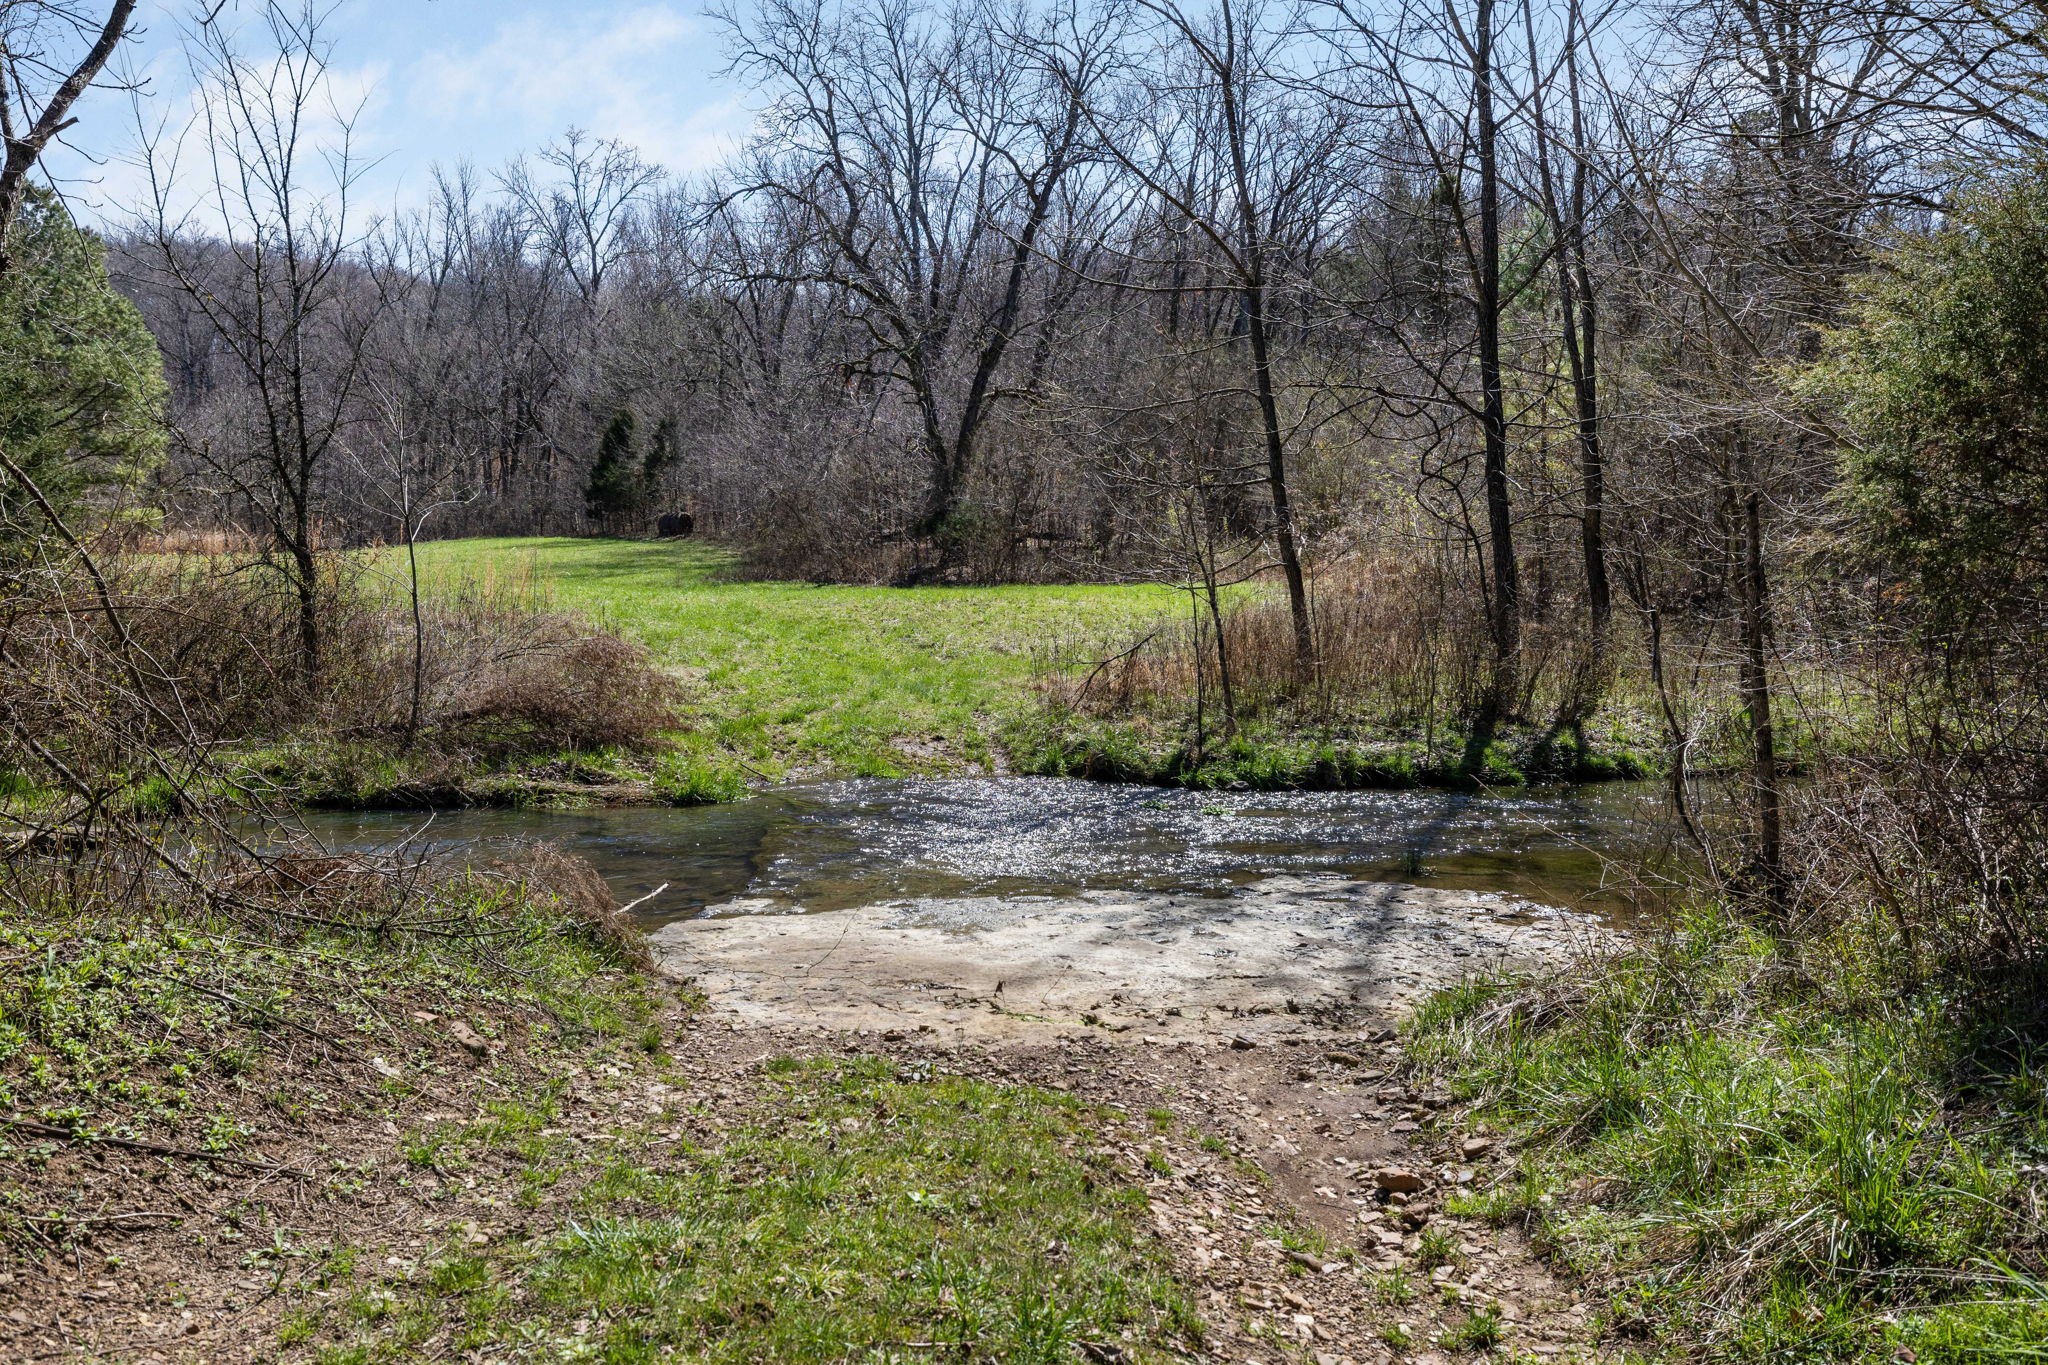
x=1276 y=483
x=1506 y=622
x=1582 y=337
x=307 y=590
x=1768 y=855
x=419 y=630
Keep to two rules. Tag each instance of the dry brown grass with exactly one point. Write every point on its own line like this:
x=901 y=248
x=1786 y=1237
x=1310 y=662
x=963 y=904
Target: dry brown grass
x=1396 y=640
x=495 y=672
x=578 y=891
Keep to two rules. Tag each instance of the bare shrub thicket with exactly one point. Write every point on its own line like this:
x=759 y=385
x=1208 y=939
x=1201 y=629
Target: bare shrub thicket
x=133 y=677
x=1939 y=821
x=498 y=672
x=1394 y=645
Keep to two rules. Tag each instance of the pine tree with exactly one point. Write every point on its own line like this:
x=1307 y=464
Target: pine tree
x=662 y=453
x=81 y=380
x=614 y=492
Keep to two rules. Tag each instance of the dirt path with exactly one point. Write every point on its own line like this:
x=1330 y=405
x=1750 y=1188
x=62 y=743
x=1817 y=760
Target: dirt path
x=1299 y=1181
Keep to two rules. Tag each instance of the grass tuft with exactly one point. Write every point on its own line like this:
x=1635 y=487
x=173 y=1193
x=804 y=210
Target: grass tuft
x=1776 y=1153
x=855 y=1212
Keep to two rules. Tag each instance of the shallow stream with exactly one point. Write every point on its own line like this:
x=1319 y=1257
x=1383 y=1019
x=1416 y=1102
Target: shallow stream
x=841 y=845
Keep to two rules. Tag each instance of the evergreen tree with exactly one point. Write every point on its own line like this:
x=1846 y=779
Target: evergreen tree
x=614 y=492
x=662 y=454
x=1942 y=373
x=81 y=380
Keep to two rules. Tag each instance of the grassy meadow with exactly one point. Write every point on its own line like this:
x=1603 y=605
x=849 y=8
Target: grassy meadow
x=792 y=677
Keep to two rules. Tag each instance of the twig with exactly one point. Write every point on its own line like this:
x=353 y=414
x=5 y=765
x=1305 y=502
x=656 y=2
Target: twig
x=50 y=1130
x=100 y=1217
x=227 y=998
x=642 y=900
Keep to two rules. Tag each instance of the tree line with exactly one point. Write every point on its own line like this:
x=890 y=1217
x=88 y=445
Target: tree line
x=1548 y=308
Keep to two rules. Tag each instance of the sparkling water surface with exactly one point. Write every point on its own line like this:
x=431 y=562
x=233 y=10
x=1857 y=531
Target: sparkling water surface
x=833 y=845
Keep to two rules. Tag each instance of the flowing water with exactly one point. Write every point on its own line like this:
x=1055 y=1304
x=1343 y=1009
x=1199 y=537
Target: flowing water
x=840 y=845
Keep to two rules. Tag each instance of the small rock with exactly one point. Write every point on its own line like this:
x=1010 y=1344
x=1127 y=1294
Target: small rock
x=468 y=1038
x=1472 y=1148
x=1315 y=1265
x=384 y=1068
x=1343 y=1058
x=1397 y=1180
x=1240 y=1043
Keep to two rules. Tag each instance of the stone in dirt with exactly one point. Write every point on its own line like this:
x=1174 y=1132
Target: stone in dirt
x=468 y=1039
x=1398 y=1180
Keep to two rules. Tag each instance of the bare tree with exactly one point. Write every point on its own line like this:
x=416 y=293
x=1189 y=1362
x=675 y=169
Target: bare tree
x=42 y=75
x=283 y=295
x=923 y=157
x=1242 y=161
x=1441 y=70
x=1573 y=194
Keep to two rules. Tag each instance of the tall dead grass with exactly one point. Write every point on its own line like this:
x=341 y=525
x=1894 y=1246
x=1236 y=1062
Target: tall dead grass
x=212 y=658
x=1396 y=641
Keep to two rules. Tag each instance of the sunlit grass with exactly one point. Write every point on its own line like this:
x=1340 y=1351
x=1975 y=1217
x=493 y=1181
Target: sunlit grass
x=871 y=681
x=856 y=1212
x=1766 y=1158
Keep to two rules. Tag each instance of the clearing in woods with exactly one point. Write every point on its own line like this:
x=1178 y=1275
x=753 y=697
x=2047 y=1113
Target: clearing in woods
x=795 y=677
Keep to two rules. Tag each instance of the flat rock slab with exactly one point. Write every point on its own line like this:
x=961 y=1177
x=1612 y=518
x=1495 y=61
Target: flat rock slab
x=1143 y=966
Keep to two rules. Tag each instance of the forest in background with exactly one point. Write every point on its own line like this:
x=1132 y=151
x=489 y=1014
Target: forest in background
x=1537 y=358
x=1525 y=369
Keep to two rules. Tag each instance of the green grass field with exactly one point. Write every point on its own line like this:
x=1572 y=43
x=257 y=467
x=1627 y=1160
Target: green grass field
x=791 y=677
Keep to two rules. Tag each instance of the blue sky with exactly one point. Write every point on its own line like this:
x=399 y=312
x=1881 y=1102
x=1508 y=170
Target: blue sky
x=449 y=80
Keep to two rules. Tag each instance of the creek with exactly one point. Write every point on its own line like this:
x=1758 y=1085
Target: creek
x=840 y=845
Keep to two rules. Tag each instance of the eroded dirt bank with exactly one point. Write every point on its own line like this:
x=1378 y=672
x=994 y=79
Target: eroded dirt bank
x=1299 y=1178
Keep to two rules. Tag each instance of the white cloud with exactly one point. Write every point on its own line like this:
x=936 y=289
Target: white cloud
x=466 y=80
x=641 y=73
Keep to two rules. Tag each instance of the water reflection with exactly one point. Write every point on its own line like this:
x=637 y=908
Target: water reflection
x=833 y=845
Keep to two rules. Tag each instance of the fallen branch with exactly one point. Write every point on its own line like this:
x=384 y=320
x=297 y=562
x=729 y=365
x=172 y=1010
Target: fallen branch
x=642 y=900
x=51 y=1130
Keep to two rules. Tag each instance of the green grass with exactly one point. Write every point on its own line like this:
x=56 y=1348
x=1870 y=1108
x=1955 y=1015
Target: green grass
x=801 y=1210
x=173 y=1021
x=1767 y=1151
x=857 y=1212
x=1276 y=753
x=864 y=681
